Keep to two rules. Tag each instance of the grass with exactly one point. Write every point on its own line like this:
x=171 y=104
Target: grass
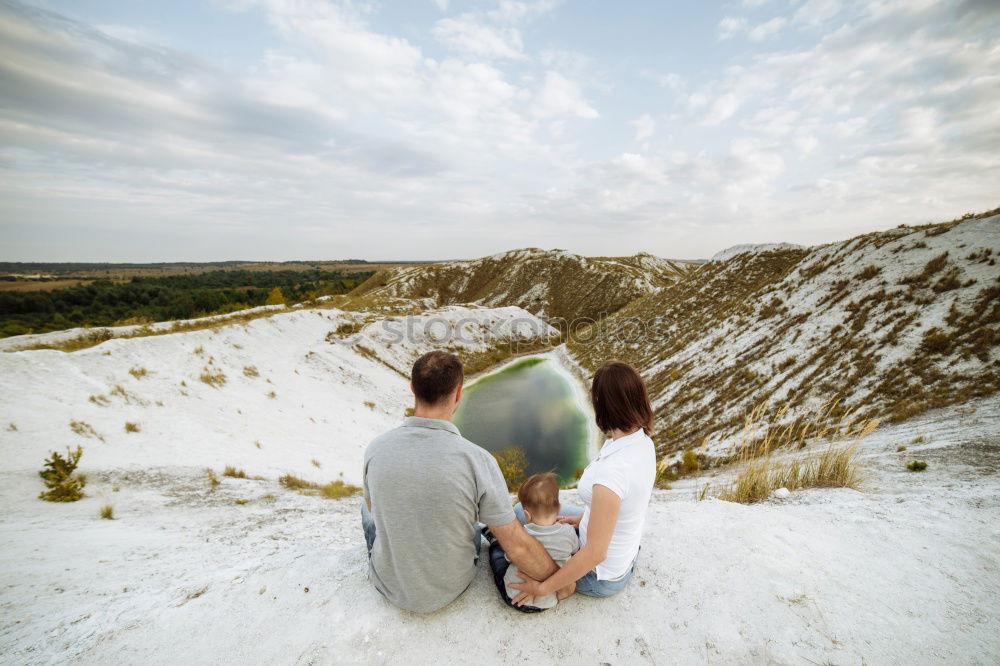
x=138 y=373
x=900 y=448
x=917 y=466
x=250 y=371
x=99 y=400
x=84 y=429
x=132 y=427
x=272 y=395
x=108 y=512
x=334 y=490
x=761 y=472
x=213 y=379
x=316 y=463
x=241 y=501
x=12 y=427
x=234 y=473
x=213 y=480
x=369 y=404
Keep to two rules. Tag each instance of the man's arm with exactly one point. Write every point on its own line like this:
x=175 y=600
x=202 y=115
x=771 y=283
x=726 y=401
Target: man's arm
x=524 y=550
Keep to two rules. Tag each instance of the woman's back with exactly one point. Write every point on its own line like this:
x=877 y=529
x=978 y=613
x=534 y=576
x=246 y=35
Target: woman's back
x=627 y=467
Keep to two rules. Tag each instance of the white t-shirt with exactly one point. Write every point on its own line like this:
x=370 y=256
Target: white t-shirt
x=627 y=467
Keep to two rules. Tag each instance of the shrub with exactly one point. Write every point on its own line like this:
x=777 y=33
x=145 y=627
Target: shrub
x=900 y=448
x=917 y=466
x=131 y=427
x=513 y=462
x=231 y=471
x=918 y=440
x=108 y=512
x=57 y=474
x=213 y=379
x=250 y=371
x=138 y=373
x=689 y=462
x=275 y=297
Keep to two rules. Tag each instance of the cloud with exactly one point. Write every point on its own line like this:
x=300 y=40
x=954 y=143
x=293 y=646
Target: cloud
x=468 y=36
x=645 y=127
x=731 y=26
x=768 y=29
x=560 y=96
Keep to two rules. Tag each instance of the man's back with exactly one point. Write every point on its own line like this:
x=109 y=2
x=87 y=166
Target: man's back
x=428 y=486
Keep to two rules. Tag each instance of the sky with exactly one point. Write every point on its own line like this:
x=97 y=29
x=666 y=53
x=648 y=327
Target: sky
x=444 y=129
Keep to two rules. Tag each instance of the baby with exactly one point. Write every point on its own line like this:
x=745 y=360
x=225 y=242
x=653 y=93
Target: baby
x=539 y=497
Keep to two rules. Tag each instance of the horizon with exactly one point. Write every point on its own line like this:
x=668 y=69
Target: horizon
x=448 y=128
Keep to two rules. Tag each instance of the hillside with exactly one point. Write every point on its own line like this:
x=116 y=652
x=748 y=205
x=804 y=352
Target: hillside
x=551 y=284
x=892 y=323
x=269 y=395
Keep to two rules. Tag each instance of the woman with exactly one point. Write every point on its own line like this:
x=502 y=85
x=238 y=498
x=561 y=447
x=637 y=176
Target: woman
x=615 y=489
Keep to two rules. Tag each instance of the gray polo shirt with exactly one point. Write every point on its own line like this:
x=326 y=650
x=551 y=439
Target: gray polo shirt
x=428 y=487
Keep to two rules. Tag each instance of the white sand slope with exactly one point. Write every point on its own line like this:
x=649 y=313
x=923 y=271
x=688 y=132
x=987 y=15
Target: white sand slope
x=904 y=572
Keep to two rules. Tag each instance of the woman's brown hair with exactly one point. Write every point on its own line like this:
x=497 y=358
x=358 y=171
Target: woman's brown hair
x=620 y=399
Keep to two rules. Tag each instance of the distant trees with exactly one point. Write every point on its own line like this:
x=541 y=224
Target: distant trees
x=106 y=303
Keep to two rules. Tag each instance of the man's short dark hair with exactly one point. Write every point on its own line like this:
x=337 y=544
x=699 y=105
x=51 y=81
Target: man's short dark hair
x=435 y=375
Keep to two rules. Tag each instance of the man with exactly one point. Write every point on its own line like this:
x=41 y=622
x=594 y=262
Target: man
x=426 y=488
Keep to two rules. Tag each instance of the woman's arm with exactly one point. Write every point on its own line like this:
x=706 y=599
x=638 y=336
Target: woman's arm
x=604 y=508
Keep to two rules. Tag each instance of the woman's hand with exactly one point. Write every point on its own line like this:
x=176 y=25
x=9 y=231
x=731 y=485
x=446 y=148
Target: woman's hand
x=530 y=589
x=570 y=520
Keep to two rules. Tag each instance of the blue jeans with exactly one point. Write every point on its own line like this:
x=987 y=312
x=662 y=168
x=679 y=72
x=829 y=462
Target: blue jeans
x=368 y=526
x=589 y=585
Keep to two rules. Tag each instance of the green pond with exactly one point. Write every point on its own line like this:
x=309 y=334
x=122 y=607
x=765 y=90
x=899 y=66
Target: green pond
x=530 y=404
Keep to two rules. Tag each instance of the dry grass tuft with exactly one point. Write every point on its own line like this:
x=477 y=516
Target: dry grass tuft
x=132 y=427
x=108 y=512
x=234 y=473
x=250 y=371
x=213 y=480
x=333 y=490
x=138 y=373
x=213 y=379
x=761 y=473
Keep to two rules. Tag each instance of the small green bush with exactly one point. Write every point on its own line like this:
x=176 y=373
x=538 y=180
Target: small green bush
x=57 y=474
x=917 y=466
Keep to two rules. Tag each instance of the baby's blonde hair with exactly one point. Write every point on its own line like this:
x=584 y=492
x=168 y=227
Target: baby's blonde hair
x=539 y=494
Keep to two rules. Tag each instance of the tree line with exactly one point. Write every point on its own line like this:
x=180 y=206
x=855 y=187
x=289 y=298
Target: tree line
x=149 y=299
